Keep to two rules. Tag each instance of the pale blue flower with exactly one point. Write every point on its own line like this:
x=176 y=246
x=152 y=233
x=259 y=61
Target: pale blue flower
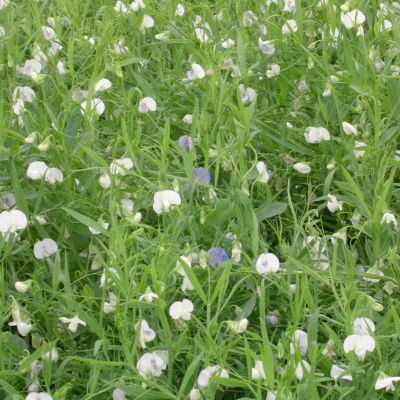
x=217 y=256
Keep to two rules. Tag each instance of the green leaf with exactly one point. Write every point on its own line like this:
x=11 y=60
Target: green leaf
x=266 y=352
x=20 y=197
x=194 y=281
x=144 y=85
x=269 y=210
x=189 y=374
x=356 y=191
x=89 y=222
x=224 y=211
x=10 y=390
x=72 y=127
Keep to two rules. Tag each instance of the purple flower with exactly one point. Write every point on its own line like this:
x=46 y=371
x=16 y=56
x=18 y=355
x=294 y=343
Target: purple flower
x=185 y=143
x=217 y=256
x=202 y=175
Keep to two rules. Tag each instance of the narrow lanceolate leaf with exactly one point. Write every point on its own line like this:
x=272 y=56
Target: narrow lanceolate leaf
x=269 y=210
x=266 y=350
x=87 y=221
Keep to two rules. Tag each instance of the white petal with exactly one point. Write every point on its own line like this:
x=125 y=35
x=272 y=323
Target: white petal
x=349 y=343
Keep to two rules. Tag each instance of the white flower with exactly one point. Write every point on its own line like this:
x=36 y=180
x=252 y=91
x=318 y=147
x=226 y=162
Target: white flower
x=188 y=119
x=360 y=344
x=119 y=47
x=207 y=373
x=45 y=248
x=23 y=287
x=95 y=105
x=302 y=366
x=24 y=93
x=73 y=322
x=164 y=200
x=333 y=204
x=146 y=334
x=267 y=263
x=181 y=310
x=147 y=104
x=95 y=231
x=118 y=394
x=102 y=84
x=180 y=10
x=105 y=181
x=236 y=252
x=152 y=364
x=148 y=22
x=36 y=170
x=137 y=4
x=273 y=71
x=349 y=129
x=357 y=146
x=197 y=20
x=201 y=35
x=363 y=326
x=186 y=285
x=18 y=107
x=249 y=18
x=121 y=166
x=386 y=382
x=289 y=27
x=228 y=43
x=54 y=48
x=126 y=207
x=270 y=395
x=338 y=372
x=389 y=218
x=197 y=72
x=137 y=218
x=108 y=272
x=49 y=33
x=53 y=176
x=120 y=7
x=247 y=95
x=61 y=67
x=301 y=340
x=316 y=134
x=263 y=173
x=148 y=296
x=52 y=355
x=38 y=396
x=386 y=26
x=195 y=394
x=273 y=320
x=32 y=69
x=290 y=6
x=20 y=320
x=12 y=221
x=91 y=40
x=327 y=91
x=238 y=326
x=4 y=4
x=109 y=307
x=179 y=268
x=302 y=168
x=258 y=371
x=267 y=46
x=352 y=19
